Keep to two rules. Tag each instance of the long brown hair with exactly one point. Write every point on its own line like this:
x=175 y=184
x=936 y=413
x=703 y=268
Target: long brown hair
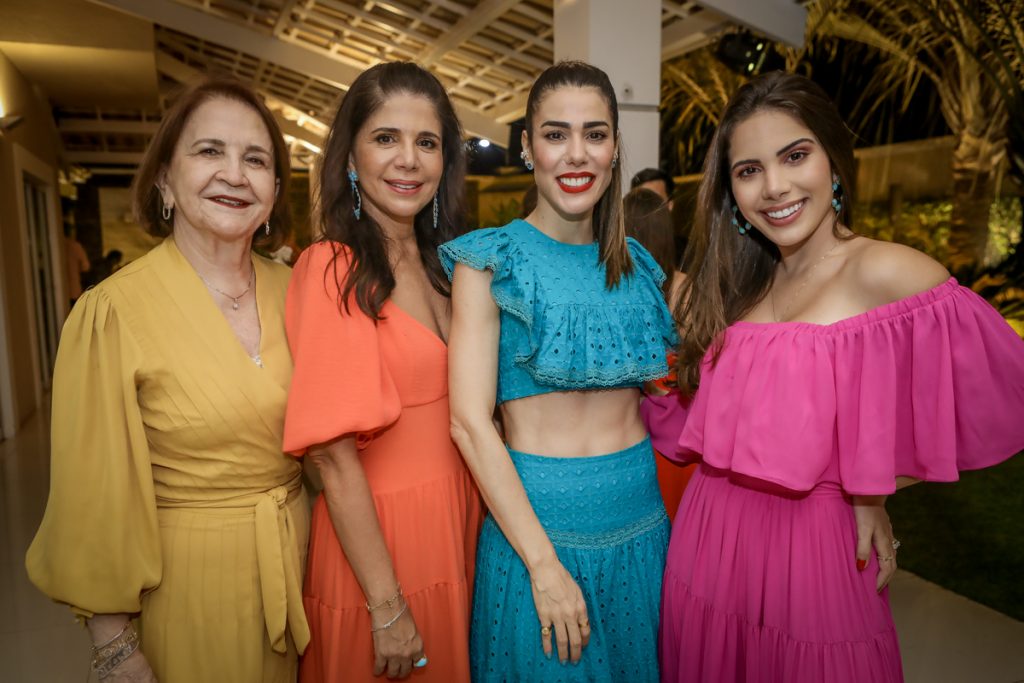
x=369 y=272
x=649 y=222
x=729 y=273
x=609 y=227
x=147 y=204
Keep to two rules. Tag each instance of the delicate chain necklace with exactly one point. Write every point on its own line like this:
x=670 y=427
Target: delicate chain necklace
x=792 y=298
x=234 y=299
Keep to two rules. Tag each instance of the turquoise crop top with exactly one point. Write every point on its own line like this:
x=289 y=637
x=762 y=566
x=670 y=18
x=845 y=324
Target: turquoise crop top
x=562 y=329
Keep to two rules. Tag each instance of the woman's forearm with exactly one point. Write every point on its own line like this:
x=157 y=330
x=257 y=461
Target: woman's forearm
x=502 y=490
x=105 y=627
x=354 y=516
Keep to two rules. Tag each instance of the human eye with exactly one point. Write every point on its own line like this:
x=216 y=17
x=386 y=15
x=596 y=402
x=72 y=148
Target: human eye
x=208 y=151
x=554 y=135
x=427 y=143
x=256 y=161
x=384 y=139
x=746 y=171
x=797 y=155
x=597 y=136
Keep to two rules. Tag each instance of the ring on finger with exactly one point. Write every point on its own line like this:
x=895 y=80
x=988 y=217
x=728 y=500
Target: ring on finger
x=895 y=545
x=545 y=630
x=887 y=559
x=421 y=662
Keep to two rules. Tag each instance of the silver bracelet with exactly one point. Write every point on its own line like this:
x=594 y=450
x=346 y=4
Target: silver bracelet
x=393 y=620
x=110 y=655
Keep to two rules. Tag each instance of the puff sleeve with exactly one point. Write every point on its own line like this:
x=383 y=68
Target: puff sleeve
x=340 y=384
x=98 y=547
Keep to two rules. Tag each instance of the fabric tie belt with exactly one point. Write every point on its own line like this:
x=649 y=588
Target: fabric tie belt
x=277 y=559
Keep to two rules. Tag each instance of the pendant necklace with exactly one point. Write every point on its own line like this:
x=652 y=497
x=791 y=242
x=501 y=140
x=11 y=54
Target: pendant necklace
x=234 y=299
x=792 y=298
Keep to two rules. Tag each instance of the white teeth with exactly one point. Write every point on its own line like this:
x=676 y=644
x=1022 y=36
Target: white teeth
x=229 y=202
x=788 y=211
x=575 y=182
x=405 y=187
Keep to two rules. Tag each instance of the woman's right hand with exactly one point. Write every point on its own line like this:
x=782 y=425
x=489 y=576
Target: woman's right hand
x=561 y=610
x=397 y=648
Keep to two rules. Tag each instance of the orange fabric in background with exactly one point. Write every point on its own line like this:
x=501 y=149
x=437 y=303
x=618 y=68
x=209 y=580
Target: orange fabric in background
x=672 y=480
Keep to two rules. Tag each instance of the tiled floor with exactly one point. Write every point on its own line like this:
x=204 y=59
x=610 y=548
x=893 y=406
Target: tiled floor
x=945 y=638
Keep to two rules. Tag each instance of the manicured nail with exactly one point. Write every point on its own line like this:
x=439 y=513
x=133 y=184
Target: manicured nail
x=861 y=565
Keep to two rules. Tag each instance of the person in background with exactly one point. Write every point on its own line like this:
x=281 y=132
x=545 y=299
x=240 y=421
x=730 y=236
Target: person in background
x=171 y=502
x=395 y=528
x=559 y=319
x=649 y=222
x=826 y=370
x=657 y=181
x=77 y=262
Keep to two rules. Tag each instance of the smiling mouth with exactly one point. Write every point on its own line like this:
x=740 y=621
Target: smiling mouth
x=574 y=183
x=230 y=202
x=404 y=186
x=780 y=215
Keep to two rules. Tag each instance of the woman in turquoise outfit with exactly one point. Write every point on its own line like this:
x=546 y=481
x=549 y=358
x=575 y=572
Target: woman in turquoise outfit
x=559 y=319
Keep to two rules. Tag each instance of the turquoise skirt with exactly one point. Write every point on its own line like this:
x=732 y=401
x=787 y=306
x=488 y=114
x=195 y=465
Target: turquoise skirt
x=604 y=515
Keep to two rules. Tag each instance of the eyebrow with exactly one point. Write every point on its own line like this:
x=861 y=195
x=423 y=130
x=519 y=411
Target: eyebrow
x=395 y=131
x=779 y=153
x=565 y=124
x=221 y=143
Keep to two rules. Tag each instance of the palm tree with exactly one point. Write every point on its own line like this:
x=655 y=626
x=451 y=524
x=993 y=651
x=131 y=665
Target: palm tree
x=971 y=53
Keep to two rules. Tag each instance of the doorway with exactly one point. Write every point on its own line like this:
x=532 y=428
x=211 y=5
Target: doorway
x=44 y=290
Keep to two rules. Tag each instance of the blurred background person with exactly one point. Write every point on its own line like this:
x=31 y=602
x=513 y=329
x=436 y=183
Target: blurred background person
x=76 y=261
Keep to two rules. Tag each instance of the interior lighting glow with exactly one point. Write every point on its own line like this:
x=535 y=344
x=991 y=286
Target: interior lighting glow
x=484 y=142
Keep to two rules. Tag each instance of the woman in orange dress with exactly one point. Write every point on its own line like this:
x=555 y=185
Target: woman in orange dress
x=393 y=536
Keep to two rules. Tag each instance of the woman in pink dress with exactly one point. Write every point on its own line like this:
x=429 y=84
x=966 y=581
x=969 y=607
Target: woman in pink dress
x=833 y=369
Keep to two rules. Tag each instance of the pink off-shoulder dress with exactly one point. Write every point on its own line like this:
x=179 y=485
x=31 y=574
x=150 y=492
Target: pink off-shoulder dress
x=761 y=583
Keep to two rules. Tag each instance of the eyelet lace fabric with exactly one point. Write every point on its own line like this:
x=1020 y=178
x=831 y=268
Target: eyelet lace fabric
x=605 y=517
x=561 y=327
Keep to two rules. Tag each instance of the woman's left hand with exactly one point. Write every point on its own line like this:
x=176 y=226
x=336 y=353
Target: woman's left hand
x=875 y=530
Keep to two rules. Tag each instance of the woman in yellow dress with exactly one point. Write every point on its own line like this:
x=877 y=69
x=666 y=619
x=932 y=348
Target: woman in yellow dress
x=170 y=499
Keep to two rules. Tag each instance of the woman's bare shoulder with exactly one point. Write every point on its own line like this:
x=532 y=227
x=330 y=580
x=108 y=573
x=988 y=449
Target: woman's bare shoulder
x=887 y=272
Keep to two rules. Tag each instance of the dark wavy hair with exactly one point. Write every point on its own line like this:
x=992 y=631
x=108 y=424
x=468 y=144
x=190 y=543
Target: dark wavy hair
x=609 y=228
x=649 y=222
x=369 y=272
x=729 y=273
x=146 y=202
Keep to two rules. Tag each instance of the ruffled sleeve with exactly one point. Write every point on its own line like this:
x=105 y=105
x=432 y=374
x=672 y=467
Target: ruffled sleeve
x=489 y=249
x=924 y=388
x=98 y=547
x=340 y=385
x=650 y=273
x=931 y=391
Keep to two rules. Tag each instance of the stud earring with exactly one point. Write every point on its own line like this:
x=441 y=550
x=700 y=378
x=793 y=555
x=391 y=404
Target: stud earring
x=615 y=161
x=837 y=192
x=266 y=226
x=435 y=211
x=743 y=229
x=526 y=161
x=357 y=210
x=166 y=212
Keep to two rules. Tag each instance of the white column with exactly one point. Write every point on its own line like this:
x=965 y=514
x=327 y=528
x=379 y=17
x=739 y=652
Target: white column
x=624 y=39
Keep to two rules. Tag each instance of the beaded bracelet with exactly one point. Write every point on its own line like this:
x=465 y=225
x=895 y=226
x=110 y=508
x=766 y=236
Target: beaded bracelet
x=390 y=602
x=393 y=620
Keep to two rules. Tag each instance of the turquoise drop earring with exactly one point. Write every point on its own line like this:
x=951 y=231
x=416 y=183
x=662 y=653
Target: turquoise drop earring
x=357 y=210
x=743 y=229
x=837 y=205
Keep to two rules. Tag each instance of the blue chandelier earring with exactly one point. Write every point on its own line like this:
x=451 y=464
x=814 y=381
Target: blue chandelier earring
x=837 y=192
x=435 y=210
x=736 y=215
x=357 y=210
x=527 y=162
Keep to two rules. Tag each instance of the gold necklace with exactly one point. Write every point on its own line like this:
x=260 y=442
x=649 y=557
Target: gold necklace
x=792 y=298
x=234 y=299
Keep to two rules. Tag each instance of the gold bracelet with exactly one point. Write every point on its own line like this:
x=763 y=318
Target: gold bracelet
x=110 y=655
x=391 y=623
x=390 y=602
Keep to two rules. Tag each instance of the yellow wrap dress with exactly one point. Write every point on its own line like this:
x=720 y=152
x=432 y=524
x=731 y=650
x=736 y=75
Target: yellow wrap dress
x=169 y=493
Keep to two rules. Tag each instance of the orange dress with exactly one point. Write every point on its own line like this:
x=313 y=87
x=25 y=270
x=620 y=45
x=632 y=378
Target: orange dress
x=386 y=384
